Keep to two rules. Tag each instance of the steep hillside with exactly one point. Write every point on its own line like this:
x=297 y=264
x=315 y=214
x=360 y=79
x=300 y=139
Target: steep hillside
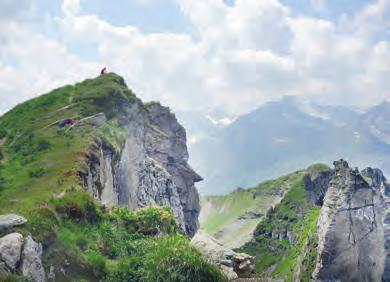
x=232 y=218
x=68 y=159
x=283 y=136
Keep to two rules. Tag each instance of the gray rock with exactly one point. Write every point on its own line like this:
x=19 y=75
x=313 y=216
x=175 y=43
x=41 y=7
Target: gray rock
x=233 y=264
x=243 y=265
x=226 y=262
x=350 y=230
x=378 y=180
x=31 y=266
x=229 y=254
x=52 y=274
x=316 y=186
x=10 y=249
x=100 y=178
x=152 y=168
x=10 y=220
x=98 y=119
x=4 y=270
x=229 y=272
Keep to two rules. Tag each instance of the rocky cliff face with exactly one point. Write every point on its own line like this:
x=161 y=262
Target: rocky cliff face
x=350 y=227
x=150 y=169
x=380 y=183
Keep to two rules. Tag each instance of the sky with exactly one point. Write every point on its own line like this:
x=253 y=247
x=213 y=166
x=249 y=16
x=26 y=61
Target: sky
x=211 y=56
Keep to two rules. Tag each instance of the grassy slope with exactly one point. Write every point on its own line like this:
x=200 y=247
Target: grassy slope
x=221 y=213
x=281 y=258
x=31 y=145
x=39 y=179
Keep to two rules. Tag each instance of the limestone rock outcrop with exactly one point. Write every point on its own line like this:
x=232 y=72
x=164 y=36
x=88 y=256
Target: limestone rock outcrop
x=10 y=249
x=151 y=169
x=31 y=266
x=234 y=265
x=350 y=229
x=316 y=185
x=10 y=220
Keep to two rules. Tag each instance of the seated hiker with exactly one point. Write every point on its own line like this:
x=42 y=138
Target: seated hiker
x=103 y=71
x=67 y=121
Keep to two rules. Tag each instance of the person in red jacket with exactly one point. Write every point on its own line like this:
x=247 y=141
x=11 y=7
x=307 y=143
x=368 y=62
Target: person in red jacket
x=67 y=121
x=103 y=71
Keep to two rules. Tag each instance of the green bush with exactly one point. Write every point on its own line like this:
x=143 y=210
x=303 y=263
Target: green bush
x=112 y=243
x=42 y=145
x=42 y=223
x=97 y=263
x=37 y=172
x=3 y=133
x=150 y=221
x=78 y=206
x=128 y=269
x=82 y=243
x=3 y=182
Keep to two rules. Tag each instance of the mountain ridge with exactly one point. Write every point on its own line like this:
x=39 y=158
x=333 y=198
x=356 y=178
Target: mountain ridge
x=287 y=138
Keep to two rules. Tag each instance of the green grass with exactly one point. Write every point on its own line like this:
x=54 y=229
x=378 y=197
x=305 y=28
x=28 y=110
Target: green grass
x=318 y=168
x=39 y=160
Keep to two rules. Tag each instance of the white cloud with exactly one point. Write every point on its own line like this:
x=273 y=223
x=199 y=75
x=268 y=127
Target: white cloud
x=71 y=7
x=237 y=57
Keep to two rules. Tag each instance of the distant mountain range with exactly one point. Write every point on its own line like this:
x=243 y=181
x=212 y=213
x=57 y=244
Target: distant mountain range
x=283 y=136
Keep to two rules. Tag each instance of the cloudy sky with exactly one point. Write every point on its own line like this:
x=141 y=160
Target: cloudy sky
x=226 y=56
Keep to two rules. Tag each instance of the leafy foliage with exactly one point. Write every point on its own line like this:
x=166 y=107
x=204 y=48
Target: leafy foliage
x=37 y=172
x=77 y=206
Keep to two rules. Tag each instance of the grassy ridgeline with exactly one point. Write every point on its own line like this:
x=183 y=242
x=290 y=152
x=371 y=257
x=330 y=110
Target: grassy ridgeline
x=285 y=241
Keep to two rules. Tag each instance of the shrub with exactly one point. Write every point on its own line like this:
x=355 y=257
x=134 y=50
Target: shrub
x=110 y=241
x=150 y=221
x=82 y=243
x=3 y=133
x=42 y=145
x=3 y=182
x=129 y=269
x=77 y=206
x=37 y=172
x=97 y=263
x=42 y=223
